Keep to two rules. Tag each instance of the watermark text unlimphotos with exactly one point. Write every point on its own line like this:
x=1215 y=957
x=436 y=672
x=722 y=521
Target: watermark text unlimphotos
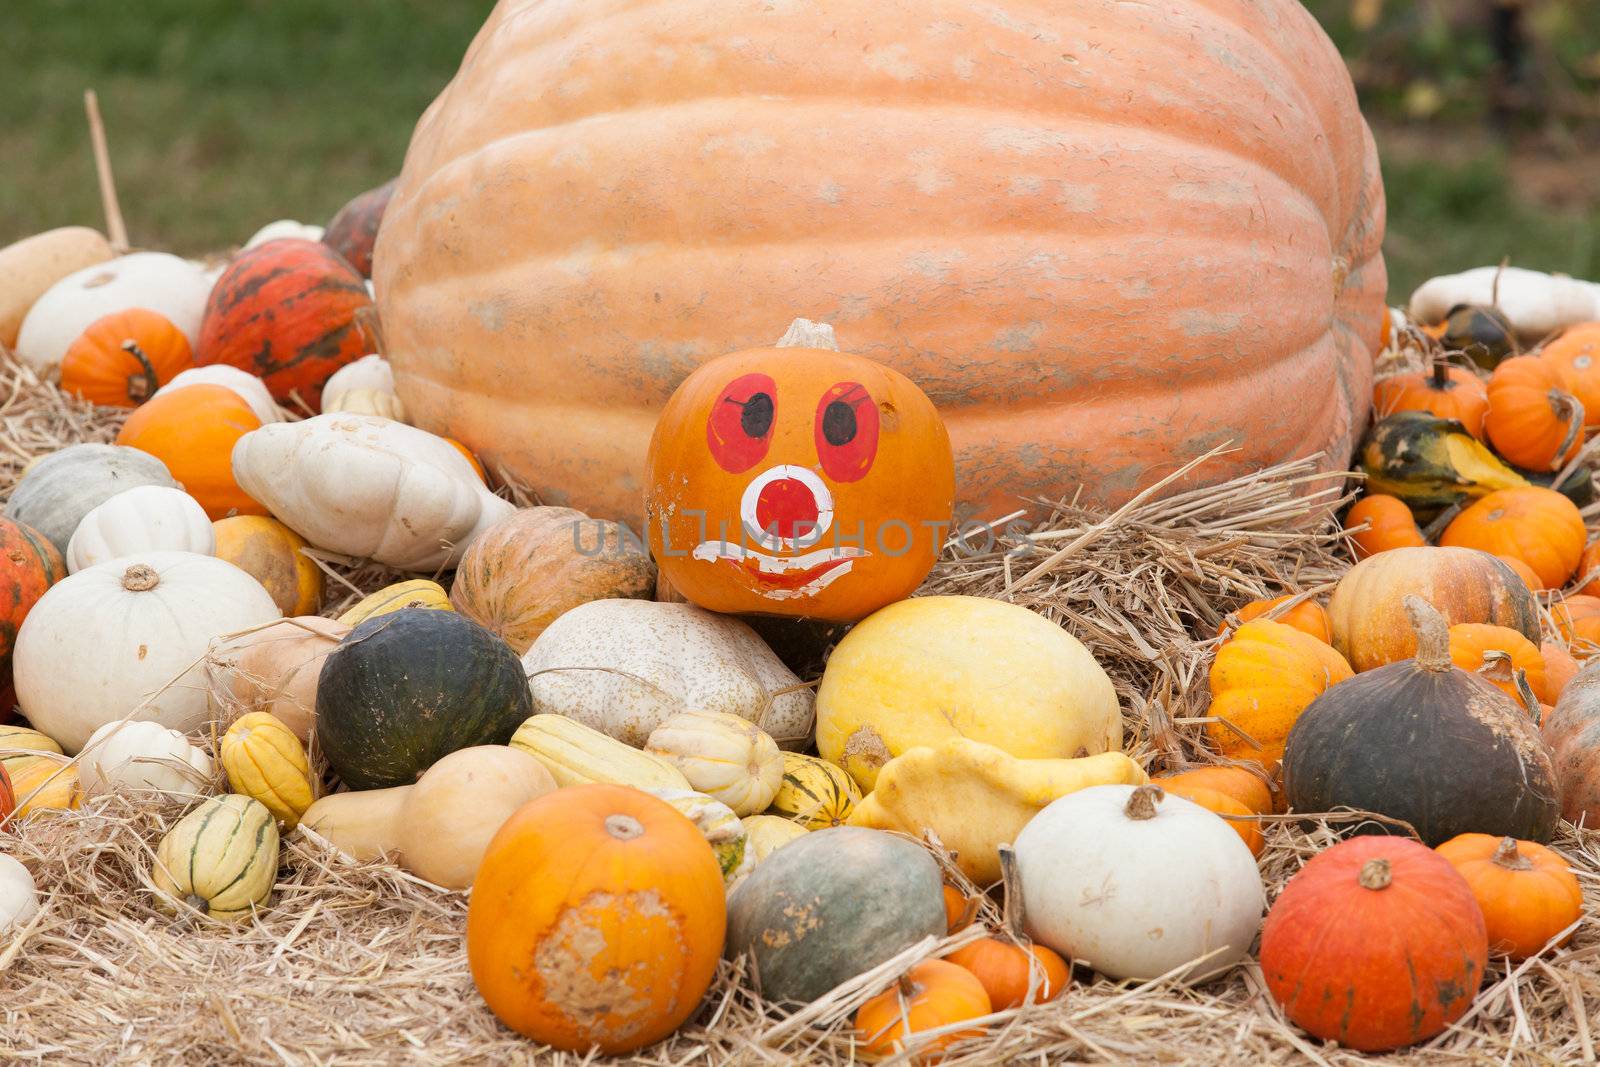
x=600 y=538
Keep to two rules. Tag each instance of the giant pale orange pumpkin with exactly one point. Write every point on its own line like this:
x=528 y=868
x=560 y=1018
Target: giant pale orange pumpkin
x=124 y=357
x=798 y=481
x=1064 y=222
x=596 y=919
x=1538 y=526
x=193 y=430
x=1533 y=421
x=1446 y=391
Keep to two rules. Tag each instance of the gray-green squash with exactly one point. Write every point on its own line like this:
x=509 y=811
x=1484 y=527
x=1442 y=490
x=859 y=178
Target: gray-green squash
x=831 y=905
x=58 y=490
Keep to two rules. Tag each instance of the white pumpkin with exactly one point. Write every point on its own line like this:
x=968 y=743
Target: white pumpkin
x=723 y=756
x=368 y=487
x=1136 y=883
x=150 y=518
x=624 y=667
x=136 y=755
x=385 y=405
x=249 y=388
x=130 y=636
x=19 y=898
x=368 y=372
x=720 y=827
x=285 y=228
x=155 y=280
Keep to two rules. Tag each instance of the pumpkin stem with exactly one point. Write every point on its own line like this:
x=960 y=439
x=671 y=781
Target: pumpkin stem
x=1011 y=907
x=803 y=333
x=1525 y=691
x=1441 y=374
x=907 y=988
x=1508 y=857
x=1497 y=666
x=140 y=385
x=1375 y=874
x=1573 y=407
x=140 y=578
x=1142 y=803
x=623 y=827
x=1433 y=636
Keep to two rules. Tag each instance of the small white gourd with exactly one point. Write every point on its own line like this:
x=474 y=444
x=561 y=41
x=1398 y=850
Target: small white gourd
x=19 y=898
x=252 y=390
x=385 y=405
x=280 y=228
x=139 y=755
x=725 y=757
x=149 y=518
x=368 y=372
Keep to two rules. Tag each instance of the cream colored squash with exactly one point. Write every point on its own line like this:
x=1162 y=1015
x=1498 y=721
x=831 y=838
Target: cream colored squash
x=765 y=834
x=29 y=267
x=725 y=757
x=626 y=666
x=150 y=518
x=576 y=754
x=221 y=859
x=280 y=228
x=448 y=818
x=155 y=280
x=385 y=405
x=138 y=755
x=368 y=372
x=929 y=668
x=19 y=898
x=363 y=826
x=249 y=388
x=275 y=669
x=1535 y=303
x=1137 y=883
x=718 y=825
x=368 y=487
x=129 y=637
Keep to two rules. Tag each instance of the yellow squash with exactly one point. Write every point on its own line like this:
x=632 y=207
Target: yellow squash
x=1264 y=676
x=765 y=834
x=266 y=761
x=221 y=858
x=576 y=754
x=43 y=780
x=417 y=593
x=815 y=794
x=977 y=797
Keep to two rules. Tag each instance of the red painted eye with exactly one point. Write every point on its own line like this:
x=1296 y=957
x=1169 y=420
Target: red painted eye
x=847 y=431
x=740 y=427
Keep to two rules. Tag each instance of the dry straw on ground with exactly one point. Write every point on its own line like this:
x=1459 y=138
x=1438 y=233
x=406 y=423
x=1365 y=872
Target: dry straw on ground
x=364 y=964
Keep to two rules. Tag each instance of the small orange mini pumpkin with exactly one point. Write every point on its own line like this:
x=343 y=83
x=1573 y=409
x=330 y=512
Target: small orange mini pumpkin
x=798 y=481
x=269 y=552
x=1388 y=524
x=1539 y=526
x=1307 y=616
x=1229 y=808
x=1262 y=679
x=1446 y=391
x=1242 y=784
x=1527 y=892
x=597 y=919
x=1575 y=355
x=932 y=994
x=193 y=430
x=1013 y=969
x=1533 y=421
x=1578 y=619
x=1470 y=641
x=959 y=909
x=121 y=359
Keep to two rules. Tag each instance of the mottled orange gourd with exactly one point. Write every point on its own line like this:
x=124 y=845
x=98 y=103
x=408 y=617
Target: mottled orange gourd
x=1062 y=221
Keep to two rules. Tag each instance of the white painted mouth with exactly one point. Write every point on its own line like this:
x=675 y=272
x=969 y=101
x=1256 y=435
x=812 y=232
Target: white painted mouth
x=777 y=567
x=752 y=493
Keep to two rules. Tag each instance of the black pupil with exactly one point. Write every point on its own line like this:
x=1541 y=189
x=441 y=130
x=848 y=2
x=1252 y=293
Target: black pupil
x=756 y=418
x=839 y=423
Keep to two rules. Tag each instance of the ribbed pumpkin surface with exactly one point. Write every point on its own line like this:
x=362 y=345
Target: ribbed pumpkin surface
x=1100 y=235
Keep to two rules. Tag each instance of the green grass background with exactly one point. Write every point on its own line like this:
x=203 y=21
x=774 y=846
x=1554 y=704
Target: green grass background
x=226 y=114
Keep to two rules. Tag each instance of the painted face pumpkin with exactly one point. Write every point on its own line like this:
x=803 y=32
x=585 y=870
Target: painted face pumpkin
x=798 y=481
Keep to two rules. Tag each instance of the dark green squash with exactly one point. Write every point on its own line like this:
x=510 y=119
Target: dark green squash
x=831 y=905
x=1426 y=743
x=406 y=689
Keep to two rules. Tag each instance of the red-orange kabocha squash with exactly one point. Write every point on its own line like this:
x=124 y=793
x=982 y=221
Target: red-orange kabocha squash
x=124 y=357
x=29 y=565
x=355 y=228
x=1065 y=222
x=1347 y=955
x=798 y=481
x=290 y=312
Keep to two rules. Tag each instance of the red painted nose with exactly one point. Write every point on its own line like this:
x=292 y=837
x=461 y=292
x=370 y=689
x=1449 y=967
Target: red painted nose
x=787 y=506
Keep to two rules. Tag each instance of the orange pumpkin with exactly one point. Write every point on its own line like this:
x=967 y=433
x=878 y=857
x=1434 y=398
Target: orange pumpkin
x=121 y=359
x=1575 y=355
x=269 y=552
x=1559 y=668
x=1470 y=641
x=798 y=481
x=1533 y=421
x=1539 y=526
x=1229 y=809
x=1588 y=575
x=933 y=994
x=1242 y=784
x=1262 y=679
x=596 y=919
x=1527 y=892
x=1388 y=524
x=483 y=475
x=1578 y=619
x=1306 y=616
x=1446 y=391
x=193 y=430
x=1013 y=969
x=900 y=182
x=959 y=909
